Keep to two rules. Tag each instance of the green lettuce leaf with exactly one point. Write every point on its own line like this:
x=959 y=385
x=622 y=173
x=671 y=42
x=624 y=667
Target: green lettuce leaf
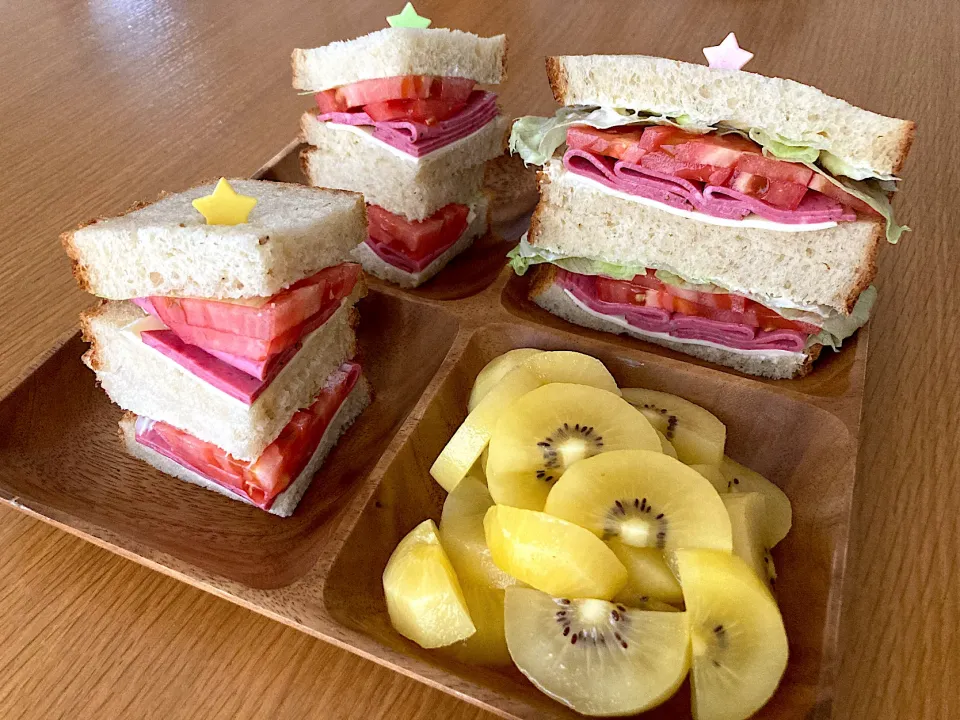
x=524 y=255
x=835 y=166
x=873 y=193
x=784 y=148
x=838 y=328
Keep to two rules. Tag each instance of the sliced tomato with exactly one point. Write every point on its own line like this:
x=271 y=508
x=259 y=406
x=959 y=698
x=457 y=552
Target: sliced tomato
x=648 y=291
x=453 y=89
x=656 y=136
x=401 y=87
x=779 y=193
x=429 y=111
x=774 y=169
x=262 y=318
x=717 y=150
x=622 y=143
x=283 y=460
x=820 y=184
x=417 y=239
x=329 y=101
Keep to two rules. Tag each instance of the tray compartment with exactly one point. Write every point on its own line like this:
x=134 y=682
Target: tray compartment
x=806 y=450
x=61 y=456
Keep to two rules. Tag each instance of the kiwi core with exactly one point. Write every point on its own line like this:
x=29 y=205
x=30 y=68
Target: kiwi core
x=636 y=522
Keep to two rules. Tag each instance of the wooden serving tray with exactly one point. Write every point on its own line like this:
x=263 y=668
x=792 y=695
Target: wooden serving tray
x=319 y=571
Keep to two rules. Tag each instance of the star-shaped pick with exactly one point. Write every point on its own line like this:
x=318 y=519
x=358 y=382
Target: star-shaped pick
x=225 y=206
x=408 y=18
x=728 y=55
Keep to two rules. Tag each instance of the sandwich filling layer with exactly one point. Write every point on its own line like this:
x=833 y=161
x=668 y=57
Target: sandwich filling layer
x=412 y=245
x=260 y=481
x=724 y=320
x=240 y=346
x=414 y=114
x=711 y=168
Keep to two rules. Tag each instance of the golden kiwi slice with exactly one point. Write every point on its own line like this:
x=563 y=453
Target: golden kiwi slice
x=697 y=435
x=779 y=514
x=552 y=555
x=424 y=598
x=494 y=371
x=646 y=499
x=461 y=532
x=552 y=427
x=666 y=447
x=649 y=580
x=596 y=657
x=747 y=521
x=487 y=646
x=737 y=635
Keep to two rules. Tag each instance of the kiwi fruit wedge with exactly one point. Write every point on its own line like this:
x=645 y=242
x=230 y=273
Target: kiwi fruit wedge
x=596 y=657
x=540 y=368
x=738 y=641
x=552 y=555
x=464 y=448
x=646 y=499
x=697 y=435
x=650 y=582
x=779 y=514
x=494 y=371
x=666 y=447
x=424 y=598
x=747 y=517
x=487 y=646
x=551 y=428
x=461 y=532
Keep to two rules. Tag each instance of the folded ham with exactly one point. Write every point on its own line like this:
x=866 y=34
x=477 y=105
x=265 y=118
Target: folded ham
x=419 y=139
x=678 y=325
x=722 y=202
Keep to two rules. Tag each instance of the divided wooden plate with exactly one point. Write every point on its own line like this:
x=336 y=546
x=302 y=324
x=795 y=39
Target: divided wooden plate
x=320 y=570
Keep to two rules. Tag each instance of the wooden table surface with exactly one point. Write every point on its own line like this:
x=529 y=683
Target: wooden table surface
x=110 y=101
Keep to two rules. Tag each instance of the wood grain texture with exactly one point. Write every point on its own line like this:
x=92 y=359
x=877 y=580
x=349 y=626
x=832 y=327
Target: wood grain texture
x=105 y=103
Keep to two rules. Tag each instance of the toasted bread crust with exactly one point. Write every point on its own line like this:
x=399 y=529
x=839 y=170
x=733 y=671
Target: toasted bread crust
x=91 y=358
x=557 y=77
x=869 y=269
x=906 y=142
x=542 y=279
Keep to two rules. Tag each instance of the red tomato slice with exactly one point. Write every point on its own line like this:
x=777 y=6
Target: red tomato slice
x=453 y=89
x=264 y=319
x=718 y=150
x=647 y=291
x=269 y=475
x=773 y=169
x=420 y=239
x=330 y=101
x=779 y=193
x=656 y=136
x=621 y=143
x=820 y=184
x=429 y=111
x=402 y=87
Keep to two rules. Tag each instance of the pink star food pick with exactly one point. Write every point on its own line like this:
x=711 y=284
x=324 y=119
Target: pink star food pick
x=728 y=55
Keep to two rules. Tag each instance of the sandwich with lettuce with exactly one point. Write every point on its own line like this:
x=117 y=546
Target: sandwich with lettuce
x=725 y=214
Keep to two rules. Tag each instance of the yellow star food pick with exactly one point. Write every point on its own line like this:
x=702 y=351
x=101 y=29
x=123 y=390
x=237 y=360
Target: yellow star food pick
x=225 y=206
x=408 y=18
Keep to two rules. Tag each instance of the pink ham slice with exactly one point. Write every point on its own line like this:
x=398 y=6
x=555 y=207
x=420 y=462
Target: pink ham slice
x=407 y=264
x=678 y=325
x=233 y=381
x=634 y=179
x=419 y=139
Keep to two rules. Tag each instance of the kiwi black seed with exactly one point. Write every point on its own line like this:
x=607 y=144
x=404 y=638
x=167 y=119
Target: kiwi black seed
x=570 y=625
x=623 y=510
x=552 y=467
x=672 y=420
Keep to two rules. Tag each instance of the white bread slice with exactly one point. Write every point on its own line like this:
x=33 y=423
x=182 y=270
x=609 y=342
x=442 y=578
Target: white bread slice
x=286 y=502
x=166 y=248
x=737 y=98
x=818 y=267
x=373 y=264
x=377 y=157
x=401 y=51
x=779 y=366
x=140 y=379
x=350 y=161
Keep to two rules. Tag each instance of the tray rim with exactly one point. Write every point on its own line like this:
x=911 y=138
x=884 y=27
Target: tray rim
x=846 y=407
